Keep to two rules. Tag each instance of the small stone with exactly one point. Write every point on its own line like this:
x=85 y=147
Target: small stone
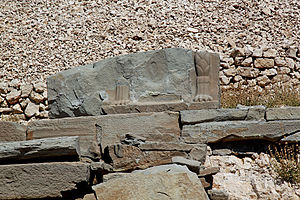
x=1 y=99
x=3 y=88
x=257 y=53
x=248 y=72
x=281 y=78
x=39 y=87
x=216 y=194
x=266 y=11
x=199 y=153
x=237 y=78
x=279 y=61
x=237 y=52
x=15 y=83
x=292 y=52
x=247 y=62
x=43 y=114
x=263 y=80
x=270 y=53
x=17 y=109
x=208 y=171
x=24 y=102
x=225 y=80
x=4 y=104
x=31 y=109
x=269 y=72
x=6 y=110
x=248 y=50
x=193 y=30
x=238 y=60
x=264 y=63
x=290 y=63
x=42 y=107
x=36 y=97
x=230 y=72
x=283 y=70
x=297 y=75
x=251 y=83
x=26 y=90
x=13 y=97
x=193 y=165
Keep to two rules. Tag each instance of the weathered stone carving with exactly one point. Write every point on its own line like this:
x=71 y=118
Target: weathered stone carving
x=153 y=81
x=202 y=62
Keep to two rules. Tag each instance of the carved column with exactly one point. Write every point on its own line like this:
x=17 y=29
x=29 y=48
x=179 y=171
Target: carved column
x=202 y=62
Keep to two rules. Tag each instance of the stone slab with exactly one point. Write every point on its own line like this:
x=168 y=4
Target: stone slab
x=241 y=130
x=193 y=165
x=163 y=186
x=11 y=131
x=40 y=149
x=166 y=146
x=158 y=107
x=41 y=180
x=294 y=138
x=108 y=129
x=160 y=76
x=285 y=113
x=125 y=157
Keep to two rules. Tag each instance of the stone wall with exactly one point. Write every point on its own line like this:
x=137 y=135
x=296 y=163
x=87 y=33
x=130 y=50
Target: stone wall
x=84 y=157
x=261 y=68
x=245 y=68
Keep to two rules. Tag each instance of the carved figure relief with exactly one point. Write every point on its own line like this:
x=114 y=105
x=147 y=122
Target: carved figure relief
x=121 y=95
x=202 y=62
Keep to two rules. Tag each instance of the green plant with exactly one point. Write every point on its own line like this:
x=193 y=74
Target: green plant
x=285 y=162
x=278 y=96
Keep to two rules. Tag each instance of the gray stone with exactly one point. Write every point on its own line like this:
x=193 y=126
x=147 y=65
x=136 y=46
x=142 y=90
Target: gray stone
x=216 y=194
x=166 y=146
x=11 y=131
x=285 y=113
x=241 y=130
x=125 y=157
x=108 y=129
x=161 y=76
x=101 y=166
x=161 y=182
x=193 y=165
x=207 y=115
x=254 y=112
x=41 y=180
x=31 y=109
x=39 y=87
x=222 y=152
x=294 y=138
x=199 y=153
x=39 y=149
x=26 y=90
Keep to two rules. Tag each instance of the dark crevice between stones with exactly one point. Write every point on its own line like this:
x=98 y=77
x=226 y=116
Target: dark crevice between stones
x=241 y=148
x=82 y=189
x=180 y=124
x=15 y=160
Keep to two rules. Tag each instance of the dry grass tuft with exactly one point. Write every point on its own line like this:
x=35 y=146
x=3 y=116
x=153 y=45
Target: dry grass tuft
x=285 y=162
x=279 y=96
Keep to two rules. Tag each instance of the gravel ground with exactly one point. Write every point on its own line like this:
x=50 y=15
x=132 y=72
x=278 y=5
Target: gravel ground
x=39 y=38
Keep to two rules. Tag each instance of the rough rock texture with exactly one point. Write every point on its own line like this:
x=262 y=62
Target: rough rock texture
x=125 y=157
x=40 y=149
x=109 y=129
x=153 y=183
x=41 y=180
x=241 y=130
x=250 y=178
x=11 y=131
x=285 y=113
x=167 y=75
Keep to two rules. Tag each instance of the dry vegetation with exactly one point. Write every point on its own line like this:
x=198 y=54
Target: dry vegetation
x=285 y=162
x=280 y=96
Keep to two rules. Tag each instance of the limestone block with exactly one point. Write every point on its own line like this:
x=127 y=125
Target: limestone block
x=290 y=63
x=13 y=97
x=247 y=62
x=31 y=109
x=270 y=53
x=285 y=113
x=126 y=157
x=206 y=115
x=153 y=183
x=292 y=52
x=39 y=149
x=39 y=87
x=241 y=130
x=11 y=131
x=17 y=109
x=279 y=61
x=264 y=63
x=26 y=90
x=257 y=53
x=41 y=180
x=249 y=72
x=162 y=76
x=36 y=97
x=193 y=165
x=108 y=129
x=263 y=80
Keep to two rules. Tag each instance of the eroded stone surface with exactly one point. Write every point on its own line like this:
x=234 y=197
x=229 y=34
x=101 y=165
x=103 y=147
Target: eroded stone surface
x=285 y=113
x=41 y=180
x=11 y=131
x=40 y=149
x=161 y=76
x=241 y=130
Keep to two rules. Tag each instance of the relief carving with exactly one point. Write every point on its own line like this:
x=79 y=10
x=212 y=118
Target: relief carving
x=203 y=65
